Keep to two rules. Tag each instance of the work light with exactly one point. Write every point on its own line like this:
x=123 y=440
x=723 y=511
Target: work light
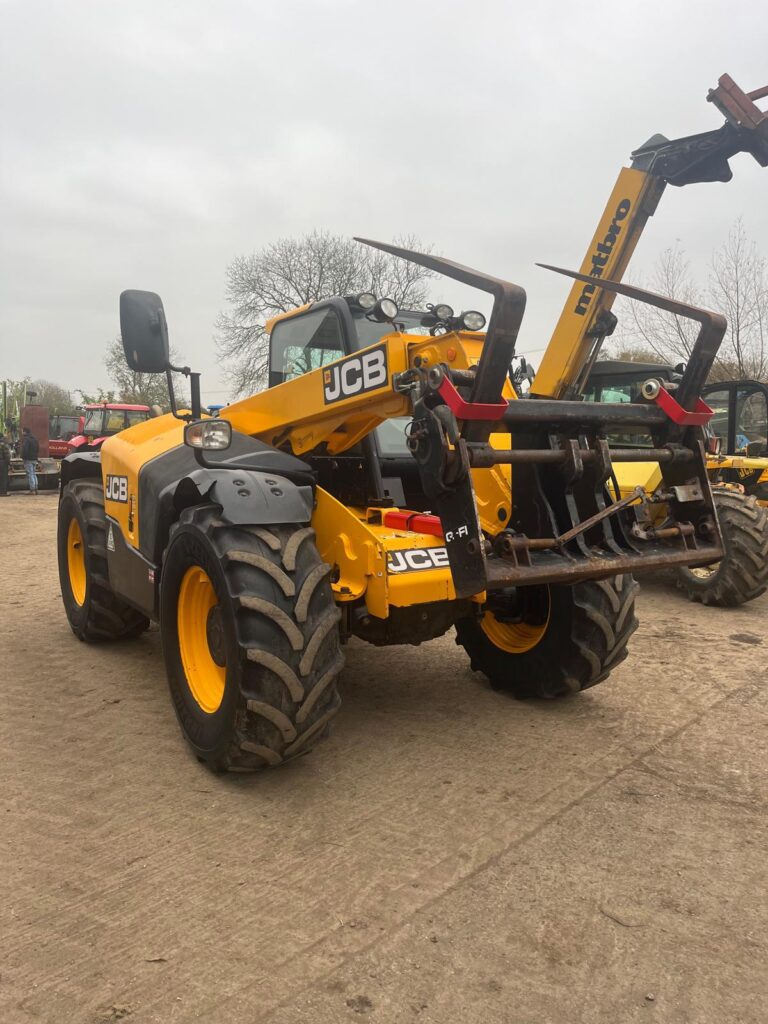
x=472 y=320
x=383 y=310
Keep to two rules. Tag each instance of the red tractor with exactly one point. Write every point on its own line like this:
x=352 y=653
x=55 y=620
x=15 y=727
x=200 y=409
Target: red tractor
x=102 y=420
x=61 y=429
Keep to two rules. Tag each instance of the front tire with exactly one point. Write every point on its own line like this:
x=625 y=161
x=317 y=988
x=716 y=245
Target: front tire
x=94 y=611
x=566 y=639
x=250 y=639
x=742 y=574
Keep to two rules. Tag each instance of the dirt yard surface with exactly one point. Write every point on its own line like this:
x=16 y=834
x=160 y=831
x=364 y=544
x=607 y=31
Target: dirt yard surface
x=449 y=855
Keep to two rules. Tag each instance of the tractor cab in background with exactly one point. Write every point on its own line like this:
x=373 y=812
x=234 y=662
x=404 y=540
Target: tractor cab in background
x=104 y=419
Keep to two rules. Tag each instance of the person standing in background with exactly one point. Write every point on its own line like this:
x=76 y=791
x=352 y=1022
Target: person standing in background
x=30 y=449
x=5 y=465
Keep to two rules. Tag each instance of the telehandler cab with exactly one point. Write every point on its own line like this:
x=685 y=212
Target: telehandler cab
x=387 y=485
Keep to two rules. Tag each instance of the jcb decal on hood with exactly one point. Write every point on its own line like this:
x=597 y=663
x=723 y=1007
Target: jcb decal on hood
x=417 y=559
x=355 y=375
x=116 y=488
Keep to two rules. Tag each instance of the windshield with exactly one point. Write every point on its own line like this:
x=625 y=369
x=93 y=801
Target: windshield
x=93 y=421
x=392 y=438
x=408 y=321
x=618 y=392
x=134 y=416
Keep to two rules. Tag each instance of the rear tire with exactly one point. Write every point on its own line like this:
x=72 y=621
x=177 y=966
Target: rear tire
x=261 y=689
x=94 y=611
x=584 y=637
x=742 y=574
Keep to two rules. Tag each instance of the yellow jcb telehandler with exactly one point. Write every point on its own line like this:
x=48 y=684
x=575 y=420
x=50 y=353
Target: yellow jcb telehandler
x=387 y=485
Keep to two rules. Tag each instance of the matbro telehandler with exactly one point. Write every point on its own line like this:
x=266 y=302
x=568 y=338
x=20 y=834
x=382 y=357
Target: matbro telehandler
x=387 y=485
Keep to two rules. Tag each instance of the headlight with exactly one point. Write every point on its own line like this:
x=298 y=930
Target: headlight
x=366 y=300
x=383 y=310
x=472 y=320
x=442 y=311
x=210 y=435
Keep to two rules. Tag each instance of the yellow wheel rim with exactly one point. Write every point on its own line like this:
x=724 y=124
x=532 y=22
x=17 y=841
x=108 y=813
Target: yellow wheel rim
x=706 y=572
x=205 y=677
x=514 y=637
x=76 y=561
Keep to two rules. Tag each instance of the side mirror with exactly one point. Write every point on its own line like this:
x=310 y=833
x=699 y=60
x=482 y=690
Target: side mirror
x=144 y=331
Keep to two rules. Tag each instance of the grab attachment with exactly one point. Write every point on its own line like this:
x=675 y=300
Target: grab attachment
x=705 y=348
x=500 y=336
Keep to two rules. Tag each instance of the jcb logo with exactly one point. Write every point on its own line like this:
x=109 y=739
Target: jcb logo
x=417 y=559
x=355 y=375
x=116 y=489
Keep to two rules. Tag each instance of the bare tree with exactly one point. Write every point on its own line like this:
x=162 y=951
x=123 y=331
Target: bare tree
x=53 y=396
x=141 y=388
x=668 y=337
x=636 y=354
x=292 y=272
x=737 y=287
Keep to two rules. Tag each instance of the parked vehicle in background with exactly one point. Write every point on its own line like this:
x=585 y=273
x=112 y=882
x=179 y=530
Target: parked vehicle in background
x=35 y=417
x=103 y=420
x=60 y=430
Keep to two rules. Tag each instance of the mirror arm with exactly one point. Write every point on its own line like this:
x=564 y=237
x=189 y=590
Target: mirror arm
x=194 y=385
x=171 y=394
x=194 y=381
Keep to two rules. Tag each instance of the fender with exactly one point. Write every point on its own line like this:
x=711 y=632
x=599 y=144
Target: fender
x=78 y=466
x=247 y=496
x=263 y=486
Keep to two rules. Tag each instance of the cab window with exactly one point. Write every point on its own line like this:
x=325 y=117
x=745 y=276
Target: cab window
x=304 y=343
x=94 y=422
x=134 y=416
x=115 y=420
x=618 y=394
x=751 y=418
x=719 y=402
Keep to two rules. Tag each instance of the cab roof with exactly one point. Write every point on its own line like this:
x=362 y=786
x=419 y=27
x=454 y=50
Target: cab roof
x=116 y=405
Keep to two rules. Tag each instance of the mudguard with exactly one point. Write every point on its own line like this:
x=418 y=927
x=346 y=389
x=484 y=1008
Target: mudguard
x=79 y=465
x=263 y=486
x=247 y=496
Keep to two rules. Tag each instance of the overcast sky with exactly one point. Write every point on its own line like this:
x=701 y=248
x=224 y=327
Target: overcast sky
x=147 y=143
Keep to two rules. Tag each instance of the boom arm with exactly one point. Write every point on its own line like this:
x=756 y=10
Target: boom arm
x=586 y=317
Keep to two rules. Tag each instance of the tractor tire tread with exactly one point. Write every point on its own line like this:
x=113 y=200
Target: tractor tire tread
x=109 y=617
x=290 y=652
x=601 y=622
x=742 y=574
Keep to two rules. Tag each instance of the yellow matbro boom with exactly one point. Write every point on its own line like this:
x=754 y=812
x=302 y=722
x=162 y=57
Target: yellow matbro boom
x=387 y=485
x=586 y=318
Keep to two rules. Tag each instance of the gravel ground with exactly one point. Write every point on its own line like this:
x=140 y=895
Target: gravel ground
x=449 y=855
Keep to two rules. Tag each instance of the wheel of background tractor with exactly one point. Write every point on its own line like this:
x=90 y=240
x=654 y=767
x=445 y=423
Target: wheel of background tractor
x=742 y=574
x=555 y=640
x=94 y=612
x=250 y=638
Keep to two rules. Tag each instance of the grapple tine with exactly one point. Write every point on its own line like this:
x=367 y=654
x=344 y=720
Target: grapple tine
x=474 y=278
x=503 y=326
x=705 y=348
x=698 y=313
